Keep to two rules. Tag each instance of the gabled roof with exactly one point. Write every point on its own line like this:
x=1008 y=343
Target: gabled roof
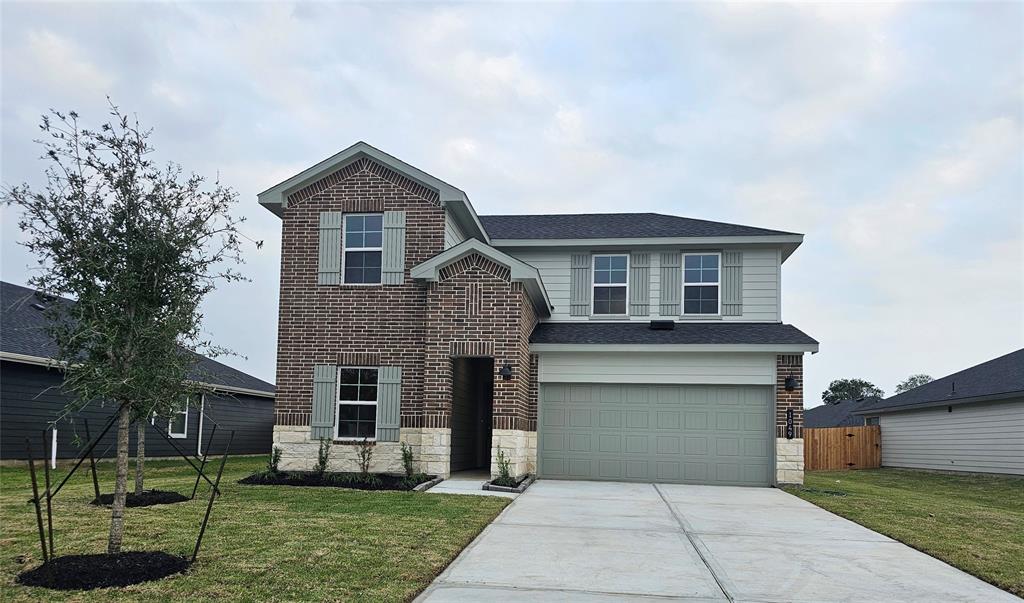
x=23 y=338
x=519 y=271
x=996 y=379
x=275 y=198
x=719 y=335
x=839 y=414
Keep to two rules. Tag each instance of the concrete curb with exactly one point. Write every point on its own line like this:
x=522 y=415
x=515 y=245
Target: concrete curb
x=517 y=490
x=428 y=484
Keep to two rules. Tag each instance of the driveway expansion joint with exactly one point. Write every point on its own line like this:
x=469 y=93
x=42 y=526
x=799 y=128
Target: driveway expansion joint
x=698 y=545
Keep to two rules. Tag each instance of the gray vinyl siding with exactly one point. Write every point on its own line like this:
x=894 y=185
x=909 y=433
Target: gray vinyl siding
x=657 y=368
x=761 y=282
x=983 y=437
x=453 y=234
x=30 y=398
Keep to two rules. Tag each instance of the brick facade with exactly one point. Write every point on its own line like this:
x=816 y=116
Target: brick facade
x=473 y=310
x=789 y=365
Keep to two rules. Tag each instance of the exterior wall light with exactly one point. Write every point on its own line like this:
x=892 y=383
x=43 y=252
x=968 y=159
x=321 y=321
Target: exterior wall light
x=790 y=383
x=505 y=371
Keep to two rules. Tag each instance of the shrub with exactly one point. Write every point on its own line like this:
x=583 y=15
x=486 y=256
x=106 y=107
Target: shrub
x=365 y=450
x=275 y=460
x=323 y=456
x=407 y=459
x=504 y=471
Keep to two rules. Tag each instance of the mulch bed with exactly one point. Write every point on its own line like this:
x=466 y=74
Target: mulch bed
x=148 y=498
x=377 y=481
x=86 y=572
x=514 y=483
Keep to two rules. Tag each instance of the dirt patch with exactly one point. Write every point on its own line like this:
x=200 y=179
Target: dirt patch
x=86 y=572
x=148 y=498
x=356 y=481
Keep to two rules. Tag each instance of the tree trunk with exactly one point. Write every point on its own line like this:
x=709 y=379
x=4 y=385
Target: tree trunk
x=121 y=483
x=140 y=457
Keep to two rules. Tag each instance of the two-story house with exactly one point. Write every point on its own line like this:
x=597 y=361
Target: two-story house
x=635 y=347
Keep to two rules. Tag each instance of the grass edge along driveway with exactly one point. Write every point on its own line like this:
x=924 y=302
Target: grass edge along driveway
x=972 y=522
x=263 y=542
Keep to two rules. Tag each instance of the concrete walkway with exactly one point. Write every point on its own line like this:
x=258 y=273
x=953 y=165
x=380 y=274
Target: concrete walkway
x=468 y=482
x=597 y=541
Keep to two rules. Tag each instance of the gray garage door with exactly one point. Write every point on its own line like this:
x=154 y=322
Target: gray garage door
x=656 y=433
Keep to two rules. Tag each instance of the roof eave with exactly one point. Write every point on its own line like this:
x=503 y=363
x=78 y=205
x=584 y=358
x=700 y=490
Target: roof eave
x=940 y=403
x=789 y=242
x=52 y=363
x=785 y=348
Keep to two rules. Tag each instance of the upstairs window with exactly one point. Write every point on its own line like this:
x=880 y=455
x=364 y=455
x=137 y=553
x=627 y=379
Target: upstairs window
x=357 y=403
x=611 y=280
x=363 y=236
x=701 y=283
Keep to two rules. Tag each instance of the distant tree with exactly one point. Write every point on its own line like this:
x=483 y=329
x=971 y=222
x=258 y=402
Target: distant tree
x=913 y=381
x=849 y=389
x=138 y=246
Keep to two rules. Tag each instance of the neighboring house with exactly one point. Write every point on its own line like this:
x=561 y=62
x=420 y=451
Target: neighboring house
x=838 y=414
x=31 y=396
x=969 y=421
x=640 y=347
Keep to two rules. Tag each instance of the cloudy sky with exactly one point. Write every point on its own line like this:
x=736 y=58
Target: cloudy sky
x=891 y=135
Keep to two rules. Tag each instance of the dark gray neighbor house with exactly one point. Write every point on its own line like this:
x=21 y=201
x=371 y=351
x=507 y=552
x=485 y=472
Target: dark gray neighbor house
x=31 y=397
x=971 y=421
x=839 y=414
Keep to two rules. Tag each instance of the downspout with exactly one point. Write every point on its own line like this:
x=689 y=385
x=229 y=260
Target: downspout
x=199 y=438
x=53 y=449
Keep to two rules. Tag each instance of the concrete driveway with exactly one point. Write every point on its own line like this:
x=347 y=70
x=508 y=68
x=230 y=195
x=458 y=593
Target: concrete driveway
x=597 y=541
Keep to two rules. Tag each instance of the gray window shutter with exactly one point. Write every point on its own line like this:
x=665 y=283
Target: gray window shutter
x=393 y=255
x=671 y=284
x=639 y=284
x=330 y=248
x=579 y=288
x=389 y=403
x=325 y=377
x=732 y=283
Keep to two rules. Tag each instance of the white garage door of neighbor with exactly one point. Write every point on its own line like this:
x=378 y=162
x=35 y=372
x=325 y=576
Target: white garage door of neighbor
x=701 y=434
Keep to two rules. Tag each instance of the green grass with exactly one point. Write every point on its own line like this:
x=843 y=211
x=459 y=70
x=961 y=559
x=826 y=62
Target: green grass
x=973 y=522
x=263 y=542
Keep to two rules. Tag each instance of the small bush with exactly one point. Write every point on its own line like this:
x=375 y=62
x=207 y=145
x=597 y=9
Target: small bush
x=365 y=450
x=323 y=456
x=504 y=471
x=407 y=459
x=275 y=460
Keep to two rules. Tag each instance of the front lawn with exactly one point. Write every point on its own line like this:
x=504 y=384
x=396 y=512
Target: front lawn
x=974 y=522
x=263 y=543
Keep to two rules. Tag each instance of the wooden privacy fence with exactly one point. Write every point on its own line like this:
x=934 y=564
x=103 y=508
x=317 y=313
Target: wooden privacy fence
x=832 y=448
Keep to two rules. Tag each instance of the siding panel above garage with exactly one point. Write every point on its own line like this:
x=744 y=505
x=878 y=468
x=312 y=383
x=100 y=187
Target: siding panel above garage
x=657 y=367
x=981 y=437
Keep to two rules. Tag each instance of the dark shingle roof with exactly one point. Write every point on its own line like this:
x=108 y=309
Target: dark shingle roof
x=612 y=226
x=1000 y=377
x=23 y=331
x=683 y=333
x=840 y=414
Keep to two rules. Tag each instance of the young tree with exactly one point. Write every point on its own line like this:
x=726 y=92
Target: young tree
x=913 y=381
x=849 y=389
x=140 y=456
x=138 y=246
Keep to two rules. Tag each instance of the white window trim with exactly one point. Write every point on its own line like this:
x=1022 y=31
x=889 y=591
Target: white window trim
x=338 y=402
x=717 y=283
x=170 y=421
x=594 y=284
x=345 y=248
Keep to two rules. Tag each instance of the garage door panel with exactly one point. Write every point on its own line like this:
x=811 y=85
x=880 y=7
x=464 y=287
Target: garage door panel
x=684 y=433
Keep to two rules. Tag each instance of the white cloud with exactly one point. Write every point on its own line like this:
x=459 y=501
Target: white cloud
x=61 y=63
